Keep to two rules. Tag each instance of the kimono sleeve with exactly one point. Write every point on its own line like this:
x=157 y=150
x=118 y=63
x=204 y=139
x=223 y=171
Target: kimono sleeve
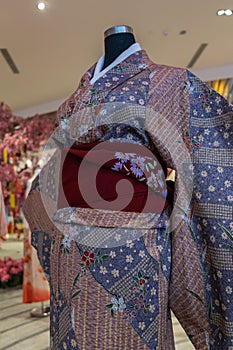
x=61 y=135
x=169 y=127
x=40 y=225
x=211 y=137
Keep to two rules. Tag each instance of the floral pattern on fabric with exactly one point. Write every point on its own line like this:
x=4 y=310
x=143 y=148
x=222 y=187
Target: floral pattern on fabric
x=138 y=300
x=118 y=85
x=58 y=310
x=145 y=169
x=42 y=243
x=211 y=126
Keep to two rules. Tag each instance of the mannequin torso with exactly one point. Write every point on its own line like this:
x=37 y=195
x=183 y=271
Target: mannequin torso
x=116 y=43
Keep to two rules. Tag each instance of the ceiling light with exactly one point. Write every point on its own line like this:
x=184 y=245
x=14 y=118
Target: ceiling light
x=41 y=5
x=228 y=12
x=221 y=12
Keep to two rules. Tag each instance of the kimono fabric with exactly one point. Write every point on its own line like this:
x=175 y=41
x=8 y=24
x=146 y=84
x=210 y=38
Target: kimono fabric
x=117 y=268
x=35 y=284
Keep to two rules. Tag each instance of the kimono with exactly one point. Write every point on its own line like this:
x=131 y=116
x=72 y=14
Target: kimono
x=3 y=223
x=116 y=269
x=35 y=285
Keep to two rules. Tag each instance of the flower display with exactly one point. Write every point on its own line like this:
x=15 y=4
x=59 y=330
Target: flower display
x=21 y=140
x=11 y=272
x=29 y=133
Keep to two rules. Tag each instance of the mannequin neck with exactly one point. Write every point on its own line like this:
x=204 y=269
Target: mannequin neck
x=115 y=44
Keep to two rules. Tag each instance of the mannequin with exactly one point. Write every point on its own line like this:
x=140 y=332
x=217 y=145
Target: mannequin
x=117 y=39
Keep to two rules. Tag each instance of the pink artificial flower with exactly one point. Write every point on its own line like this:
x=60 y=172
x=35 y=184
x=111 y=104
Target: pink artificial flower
x=9 y=264
x=6 y=258
x=14 y=271
x=5 y=277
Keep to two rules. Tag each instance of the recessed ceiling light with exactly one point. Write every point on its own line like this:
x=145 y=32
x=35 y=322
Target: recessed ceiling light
x=41 y=5
x=226 y=12
x=221 y=12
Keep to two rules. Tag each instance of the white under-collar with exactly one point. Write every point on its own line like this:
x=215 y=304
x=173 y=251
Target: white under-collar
x=99 y=73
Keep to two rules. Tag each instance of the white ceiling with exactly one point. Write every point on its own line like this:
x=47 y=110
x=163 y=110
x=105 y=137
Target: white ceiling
x=52 y=49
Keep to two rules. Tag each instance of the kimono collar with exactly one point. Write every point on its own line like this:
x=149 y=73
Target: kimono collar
x=98 y=73
x=129 y=63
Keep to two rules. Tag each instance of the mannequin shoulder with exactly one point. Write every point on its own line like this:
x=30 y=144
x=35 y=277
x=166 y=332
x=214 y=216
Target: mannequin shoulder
x=163 y=70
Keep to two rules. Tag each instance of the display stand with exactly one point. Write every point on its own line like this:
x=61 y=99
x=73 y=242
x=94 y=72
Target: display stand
x=44 y=311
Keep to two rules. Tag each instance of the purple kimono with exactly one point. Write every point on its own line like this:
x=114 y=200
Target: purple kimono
x=115 y=275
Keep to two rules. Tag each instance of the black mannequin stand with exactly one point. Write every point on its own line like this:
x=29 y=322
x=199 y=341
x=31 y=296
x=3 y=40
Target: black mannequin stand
x=115 y=44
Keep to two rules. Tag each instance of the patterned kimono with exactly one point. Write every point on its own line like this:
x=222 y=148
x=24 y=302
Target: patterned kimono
x=115 y=274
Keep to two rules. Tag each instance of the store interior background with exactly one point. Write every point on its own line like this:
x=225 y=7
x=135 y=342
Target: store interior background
x=52 y=49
